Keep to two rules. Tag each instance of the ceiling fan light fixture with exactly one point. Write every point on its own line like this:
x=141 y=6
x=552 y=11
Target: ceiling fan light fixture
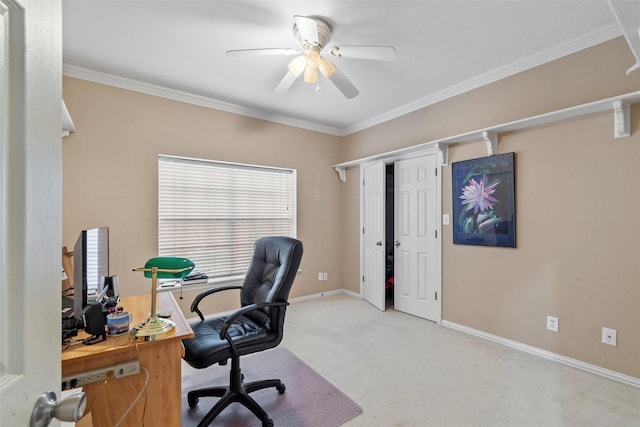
x=310 y=75
x=312 y=34
x=297 y=65
x=313 y=59
x=326 y=67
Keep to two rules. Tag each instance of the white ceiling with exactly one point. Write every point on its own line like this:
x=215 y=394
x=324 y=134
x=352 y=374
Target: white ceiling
x=177 y=48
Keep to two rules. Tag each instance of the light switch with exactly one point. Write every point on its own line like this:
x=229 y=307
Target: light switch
x=445 y=219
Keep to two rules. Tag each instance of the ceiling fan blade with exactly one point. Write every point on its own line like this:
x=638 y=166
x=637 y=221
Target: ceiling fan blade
x=308 y=28
x=343 y=84
x=285 y=84
x=261 y=52
x=378 y=53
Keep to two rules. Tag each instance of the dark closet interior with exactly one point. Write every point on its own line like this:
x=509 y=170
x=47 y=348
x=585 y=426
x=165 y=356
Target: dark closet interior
x=389 y=237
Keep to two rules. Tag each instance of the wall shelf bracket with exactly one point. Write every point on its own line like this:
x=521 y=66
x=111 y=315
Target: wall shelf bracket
x=622 y=119
x=342 y=173
x=627 y=14
x=633 y=67
x=443 y=153
x=491 y=141
x=67 y=123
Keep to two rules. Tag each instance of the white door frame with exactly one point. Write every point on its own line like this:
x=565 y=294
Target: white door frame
x=439 y=163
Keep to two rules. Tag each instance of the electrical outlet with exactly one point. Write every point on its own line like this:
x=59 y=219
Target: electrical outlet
x=325 y=276
x=320 y=279
x=552 y=323
x=609 y=336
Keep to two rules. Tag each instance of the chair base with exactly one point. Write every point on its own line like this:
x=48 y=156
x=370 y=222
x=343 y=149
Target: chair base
x=238 y=392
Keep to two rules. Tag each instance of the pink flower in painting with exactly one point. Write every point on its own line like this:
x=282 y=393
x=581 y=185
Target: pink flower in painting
x=477 y=195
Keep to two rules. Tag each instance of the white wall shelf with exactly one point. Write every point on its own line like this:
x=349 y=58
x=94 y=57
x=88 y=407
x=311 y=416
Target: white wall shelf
x=620 y=105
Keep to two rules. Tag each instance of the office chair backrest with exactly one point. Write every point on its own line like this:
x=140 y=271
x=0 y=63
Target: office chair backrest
x=270 y=276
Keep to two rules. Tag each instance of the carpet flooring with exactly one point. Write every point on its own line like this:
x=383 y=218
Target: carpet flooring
x=408 y=372
x=309 y=400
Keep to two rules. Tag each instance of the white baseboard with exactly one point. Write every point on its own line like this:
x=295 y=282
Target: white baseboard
x=325 y=294
x=607 y=373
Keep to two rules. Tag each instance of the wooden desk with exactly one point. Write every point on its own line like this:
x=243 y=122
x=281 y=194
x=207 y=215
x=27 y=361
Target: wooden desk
x=160 y=403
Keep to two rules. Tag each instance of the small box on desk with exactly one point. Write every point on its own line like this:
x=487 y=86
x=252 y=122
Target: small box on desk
x=195 y=278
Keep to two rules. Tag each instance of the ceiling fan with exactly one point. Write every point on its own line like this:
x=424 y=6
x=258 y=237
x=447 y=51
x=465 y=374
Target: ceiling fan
x=312 y=35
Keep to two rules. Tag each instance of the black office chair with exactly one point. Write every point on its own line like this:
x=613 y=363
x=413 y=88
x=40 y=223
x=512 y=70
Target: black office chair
x=257 y=326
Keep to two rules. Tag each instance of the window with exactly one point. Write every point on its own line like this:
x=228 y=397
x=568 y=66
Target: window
x=212 y=212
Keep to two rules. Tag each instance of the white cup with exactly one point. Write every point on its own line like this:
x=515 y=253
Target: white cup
x=118 y=323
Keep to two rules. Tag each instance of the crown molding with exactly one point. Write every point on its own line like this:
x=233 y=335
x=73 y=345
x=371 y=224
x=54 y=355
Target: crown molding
x=189 y=98
x=572 y=46
x=605 y=34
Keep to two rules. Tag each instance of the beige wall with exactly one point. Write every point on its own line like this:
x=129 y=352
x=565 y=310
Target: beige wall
x=578 y=219
x=578 y=247
x=578 y=215
x=110 y=174
x=586 y=76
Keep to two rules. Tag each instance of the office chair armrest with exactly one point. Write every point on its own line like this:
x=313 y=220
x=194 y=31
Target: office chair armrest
x=240 y=312
x=202 y=295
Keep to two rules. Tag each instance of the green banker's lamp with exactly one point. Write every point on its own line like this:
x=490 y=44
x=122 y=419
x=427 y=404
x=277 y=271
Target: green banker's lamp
x=155 y=327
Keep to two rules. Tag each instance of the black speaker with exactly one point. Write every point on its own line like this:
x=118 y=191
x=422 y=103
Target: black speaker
x=95 y=324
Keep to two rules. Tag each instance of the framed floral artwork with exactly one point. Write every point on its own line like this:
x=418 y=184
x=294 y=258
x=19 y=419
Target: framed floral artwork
x=484 y=211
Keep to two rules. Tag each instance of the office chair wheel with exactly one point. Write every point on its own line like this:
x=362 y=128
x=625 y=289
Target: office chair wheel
x=193 y=401
x=281 y=388
x=268 y=423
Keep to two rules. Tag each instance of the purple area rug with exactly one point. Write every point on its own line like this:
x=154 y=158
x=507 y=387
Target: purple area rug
x=309 y=400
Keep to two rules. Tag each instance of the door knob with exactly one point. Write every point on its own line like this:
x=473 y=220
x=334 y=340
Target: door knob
x=396 y=243
x=379 y=243
x=47 y=408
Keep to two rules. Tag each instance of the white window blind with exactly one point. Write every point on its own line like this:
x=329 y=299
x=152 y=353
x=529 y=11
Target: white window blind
x=212 y=212
x=94 y=262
